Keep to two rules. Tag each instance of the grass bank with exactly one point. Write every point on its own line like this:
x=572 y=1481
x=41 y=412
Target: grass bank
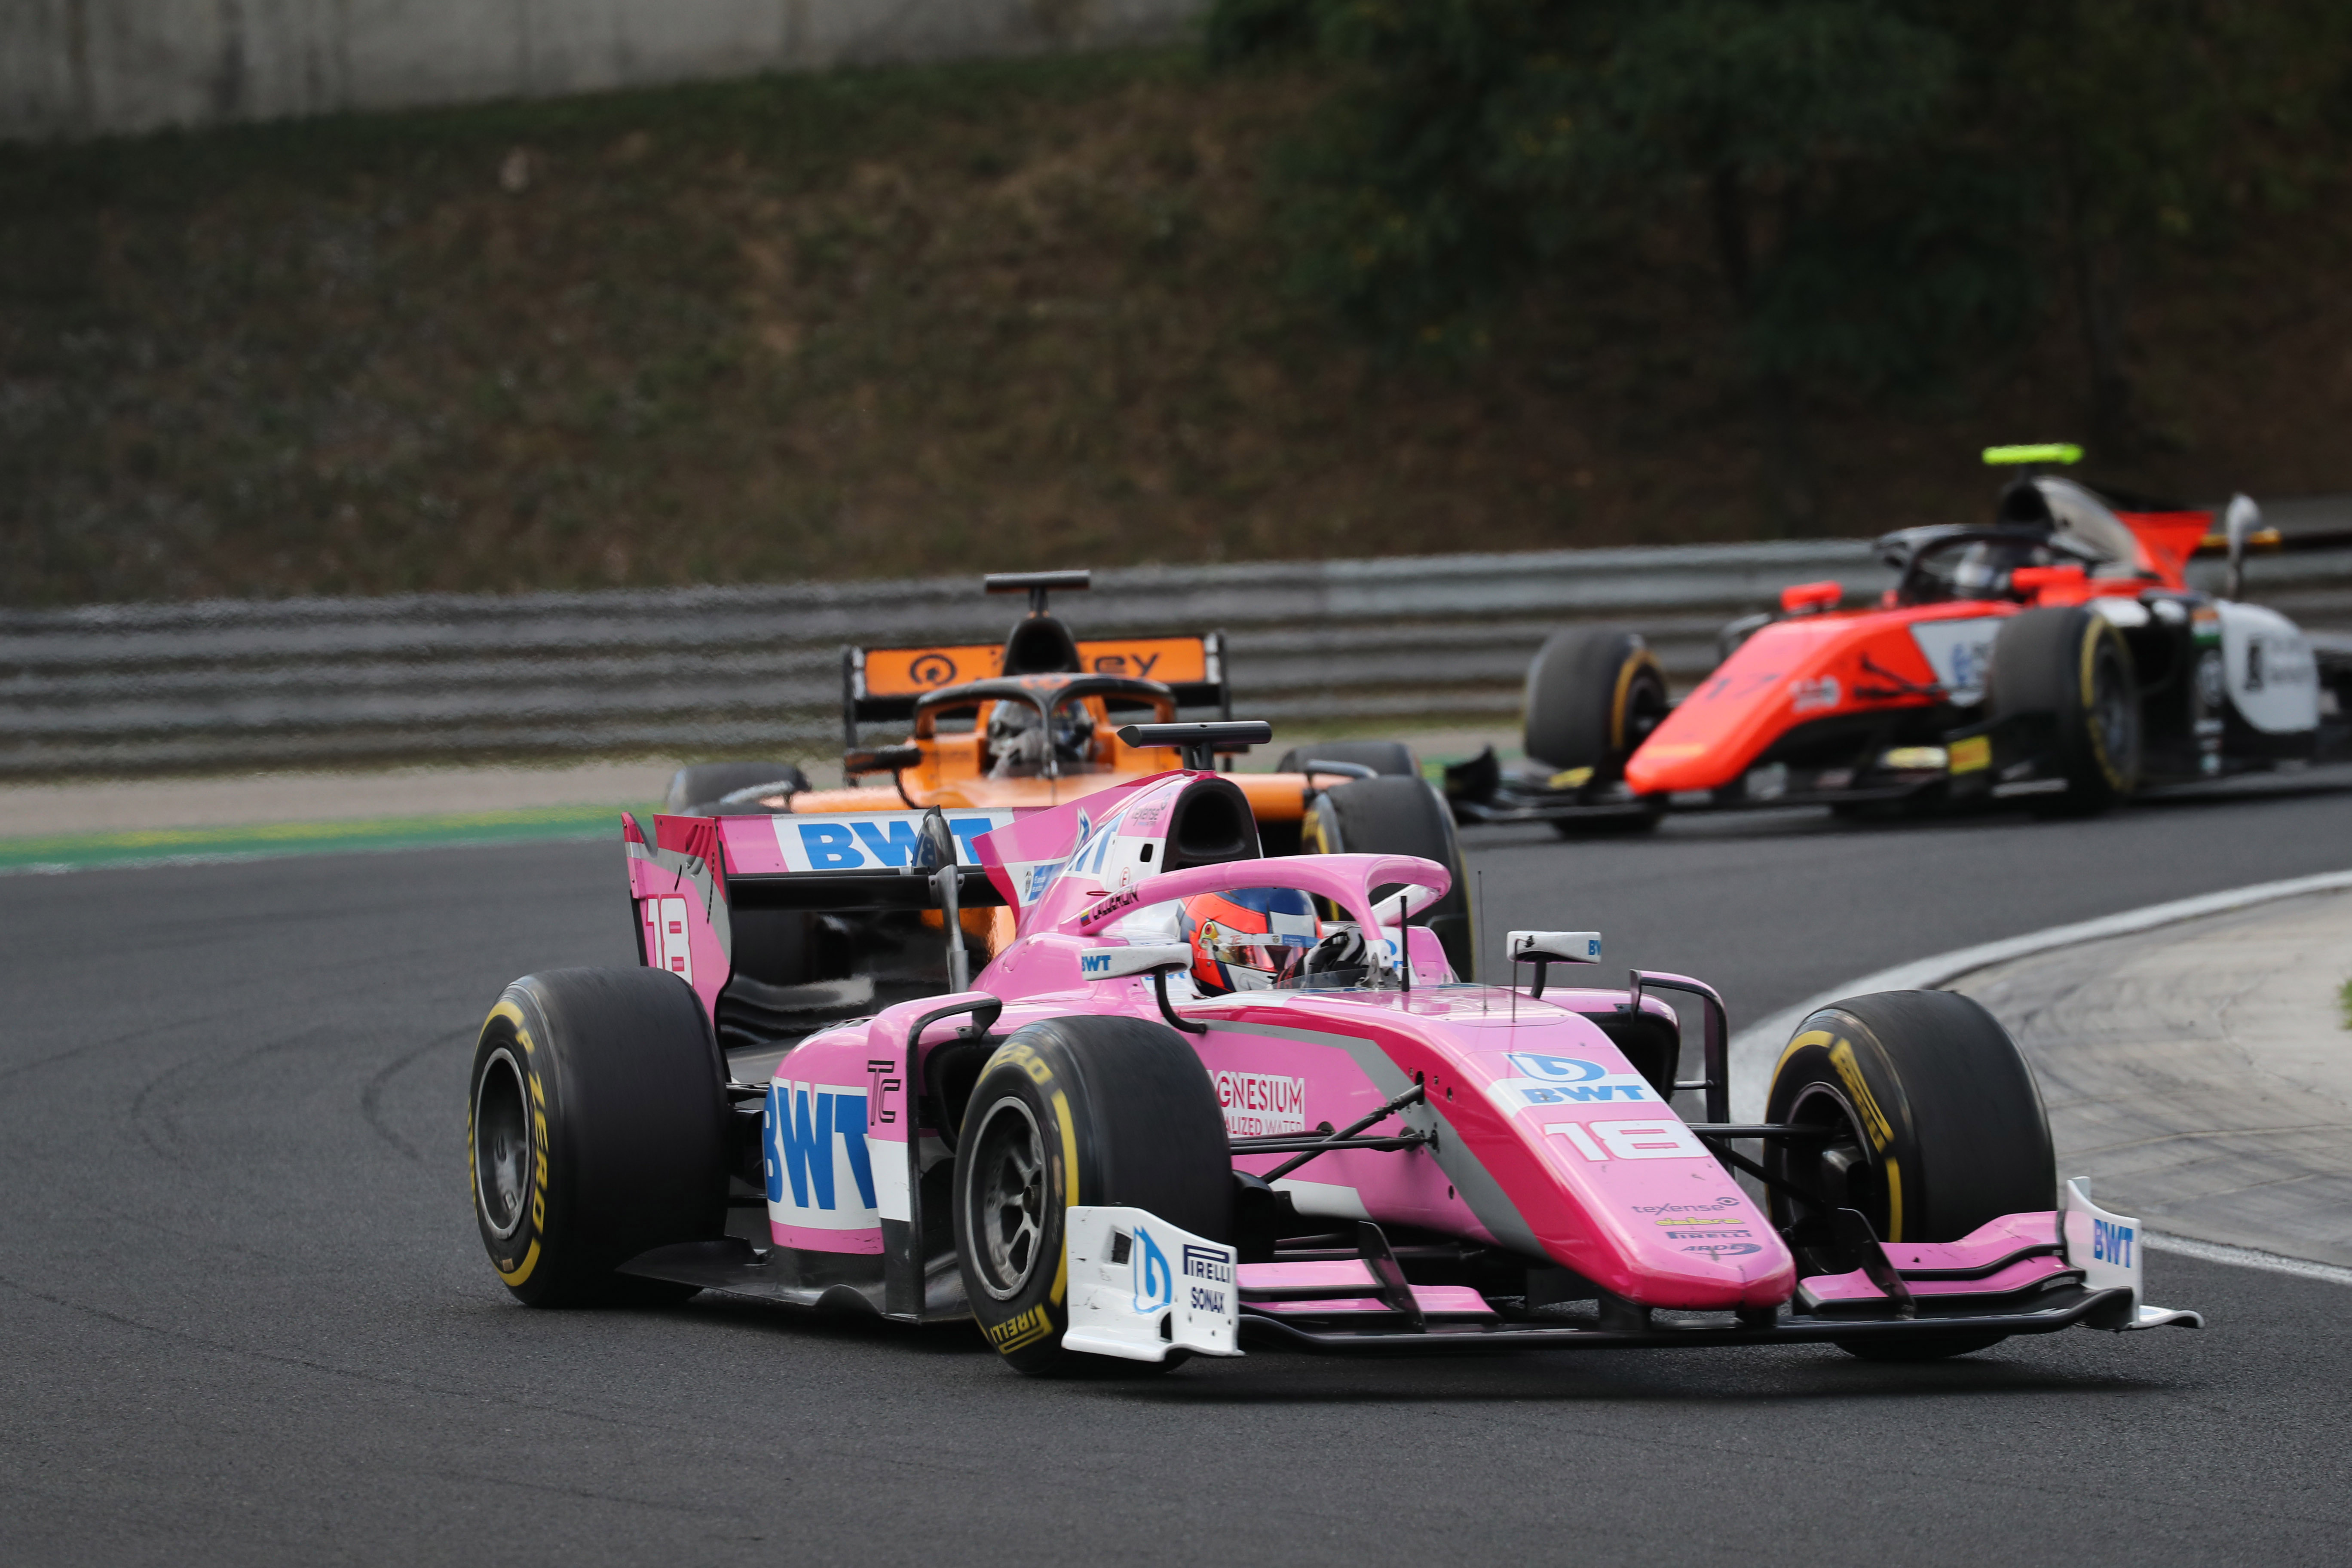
x=991 y=315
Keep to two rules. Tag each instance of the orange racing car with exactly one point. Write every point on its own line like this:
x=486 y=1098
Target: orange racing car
x=1037 y=722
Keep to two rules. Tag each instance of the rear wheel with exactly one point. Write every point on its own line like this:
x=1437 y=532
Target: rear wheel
x=1385 y=758
x=693 y=791
x=1399 y=817
x=596 y=1131
x=1595 y=693
x=1095 y=1111
x=2063 y=674
x=1937 y=1128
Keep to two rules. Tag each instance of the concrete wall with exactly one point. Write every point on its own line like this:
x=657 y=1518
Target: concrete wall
x=81 y=67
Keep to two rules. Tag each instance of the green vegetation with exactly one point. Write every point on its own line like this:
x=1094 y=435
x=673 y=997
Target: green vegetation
x=82 y=851
x=1893 y=189
x=2345 y=997
x=1073 y=311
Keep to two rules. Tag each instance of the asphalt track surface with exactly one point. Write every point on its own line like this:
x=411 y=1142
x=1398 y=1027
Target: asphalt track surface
x=244 y=1316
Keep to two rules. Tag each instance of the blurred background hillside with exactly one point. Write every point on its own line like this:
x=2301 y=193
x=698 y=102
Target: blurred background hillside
x=1317 y=278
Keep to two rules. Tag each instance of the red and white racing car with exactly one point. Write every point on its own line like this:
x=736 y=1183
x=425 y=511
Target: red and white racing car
x=1197 y=1097
x=2056 y=656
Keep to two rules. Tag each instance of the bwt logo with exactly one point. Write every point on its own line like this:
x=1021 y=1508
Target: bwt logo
x=1584 y=1093
x=1094 y=963
x=798 y=1130
x=2111 y=1243
x=1557 y=1070
x=891 y=841
x=1155 y=1285
x=1578 y=1082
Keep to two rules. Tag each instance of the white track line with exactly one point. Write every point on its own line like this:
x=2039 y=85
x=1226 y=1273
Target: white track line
x=2247 y=1258
x=1757 y=1047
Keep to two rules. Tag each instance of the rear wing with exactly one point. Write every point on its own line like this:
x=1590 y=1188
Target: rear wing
x=688 y=876
x=881 y=684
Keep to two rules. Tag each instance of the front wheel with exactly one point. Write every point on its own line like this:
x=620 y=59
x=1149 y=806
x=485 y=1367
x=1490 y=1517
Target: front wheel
x=1595 y=693
x=1385 y=758
x=1936 y=1128
x=596 y=1131
x=1093 y=1111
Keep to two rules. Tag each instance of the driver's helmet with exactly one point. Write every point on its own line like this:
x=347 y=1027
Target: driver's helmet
x=1248 y=938
x=1983 y=572
x=1020 y=745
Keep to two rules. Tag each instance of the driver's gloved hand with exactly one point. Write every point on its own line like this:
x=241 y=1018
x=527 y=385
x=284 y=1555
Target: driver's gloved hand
x=1342 y=948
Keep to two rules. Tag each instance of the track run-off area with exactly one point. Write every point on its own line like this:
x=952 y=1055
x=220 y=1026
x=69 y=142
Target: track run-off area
x=245 y=1316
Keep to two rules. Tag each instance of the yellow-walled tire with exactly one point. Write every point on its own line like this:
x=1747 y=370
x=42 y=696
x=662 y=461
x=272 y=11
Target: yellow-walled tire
x=1401 y=816
x=596 y=1130
x=1593 y=694
x=1093 y=1111
x=2063 y=674
x=1940 y=1129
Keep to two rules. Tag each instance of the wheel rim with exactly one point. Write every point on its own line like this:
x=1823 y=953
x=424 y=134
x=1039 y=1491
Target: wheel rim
x=502 y=1154
x=1840 y=1167
x=1646 y=707
x=1008 y=1198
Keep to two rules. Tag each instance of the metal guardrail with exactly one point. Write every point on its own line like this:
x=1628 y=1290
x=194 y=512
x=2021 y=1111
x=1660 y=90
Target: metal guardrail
x=231 y=684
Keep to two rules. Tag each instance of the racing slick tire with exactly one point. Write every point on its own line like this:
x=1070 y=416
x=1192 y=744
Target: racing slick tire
x=2066 y=668
x=1942 y=1129
x=1080 y=1110
x=596 y=1130
x=1595 y=693
x=693 y=790
x=1385 y=758
x=1399 y=817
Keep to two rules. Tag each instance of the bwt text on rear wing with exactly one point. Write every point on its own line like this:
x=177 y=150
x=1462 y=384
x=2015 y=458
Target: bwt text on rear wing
x=881 y=684
x=690 y=875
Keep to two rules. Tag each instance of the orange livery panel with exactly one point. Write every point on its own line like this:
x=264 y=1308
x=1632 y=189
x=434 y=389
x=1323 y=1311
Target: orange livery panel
x=912 y=671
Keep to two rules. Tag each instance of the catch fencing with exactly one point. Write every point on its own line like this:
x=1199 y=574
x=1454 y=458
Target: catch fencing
x=309 y=682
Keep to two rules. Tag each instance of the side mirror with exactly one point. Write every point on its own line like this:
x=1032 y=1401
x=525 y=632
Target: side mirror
x=1545 y=948
x=1811 y=598
x=1553 y=946
x=1200 y=743
x=2244 y=517
x=882 y=760
x=1158 y=959
x=1118 y=962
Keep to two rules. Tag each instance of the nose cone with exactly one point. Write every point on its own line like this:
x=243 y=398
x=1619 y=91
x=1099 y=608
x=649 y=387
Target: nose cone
x=1669 y=762
x=1685 y=1237
x=1617 y=1188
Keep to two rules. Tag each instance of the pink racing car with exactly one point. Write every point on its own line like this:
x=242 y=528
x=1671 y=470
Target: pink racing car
x=1196 y=1096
